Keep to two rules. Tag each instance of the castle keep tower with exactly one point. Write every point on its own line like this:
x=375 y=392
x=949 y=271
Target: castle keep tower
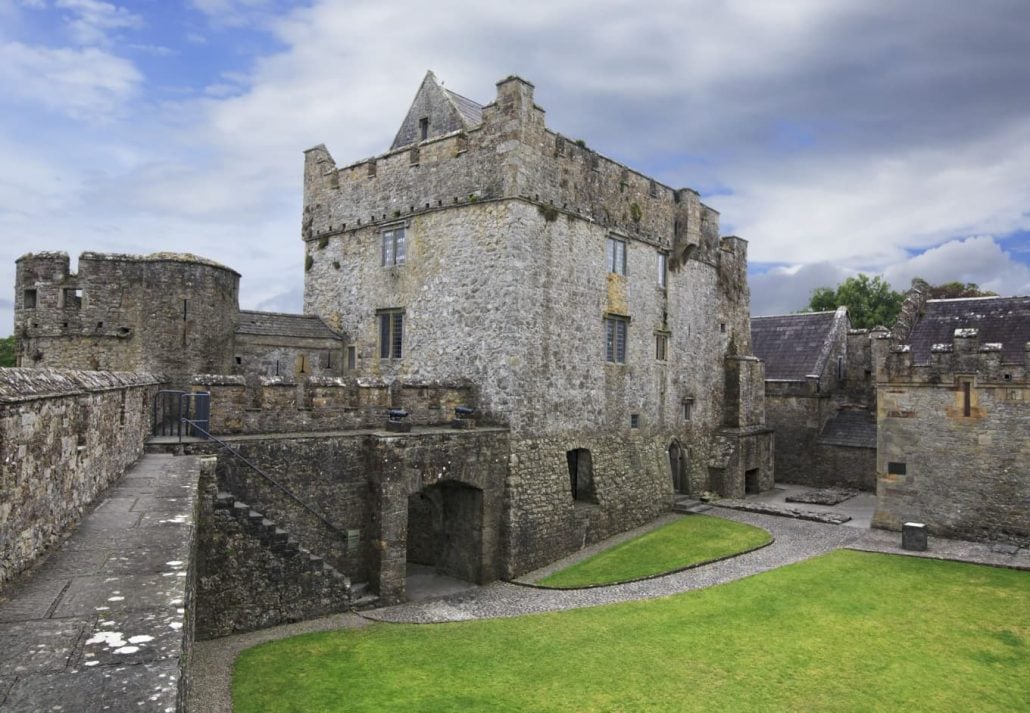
x=597 y=312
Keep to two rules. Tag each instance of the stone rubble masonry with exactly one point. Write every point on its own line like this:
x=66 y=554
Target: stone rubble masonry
x=65 y=435
x=965 y=476
x=164 y=313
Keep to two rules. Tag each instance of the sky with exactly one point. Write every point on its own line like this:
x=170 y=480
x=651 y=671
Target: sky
x=836 y=136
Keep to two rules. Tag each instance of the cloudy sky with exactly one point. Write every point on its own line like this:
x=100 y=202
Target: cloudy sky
x=836 y=136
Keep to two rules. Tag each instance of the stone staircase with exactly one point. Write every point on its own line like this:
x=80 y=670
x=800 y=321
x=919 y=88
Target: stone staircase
x=689 y=506
x=282 y=543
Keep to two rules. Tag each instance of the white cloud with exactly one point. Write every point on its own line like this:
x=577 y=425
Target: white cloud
x=91 y=21
x=82 y=83
x=979 y=259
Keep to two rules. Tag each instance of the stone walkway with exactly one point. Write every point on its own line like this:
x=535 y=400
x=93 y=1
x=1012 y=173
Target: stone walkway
x=98 y=625
x=795 y=540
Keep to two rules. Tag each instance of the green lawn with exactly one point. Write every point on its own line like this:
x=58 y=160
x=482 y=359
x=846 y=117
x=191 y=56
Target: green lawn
x=848 y=631
x=687 y=541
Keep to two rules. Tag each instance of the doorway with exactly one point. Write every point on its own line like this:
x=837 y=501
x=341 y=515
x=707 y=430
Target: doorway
x=678 y=467
x=445 y=530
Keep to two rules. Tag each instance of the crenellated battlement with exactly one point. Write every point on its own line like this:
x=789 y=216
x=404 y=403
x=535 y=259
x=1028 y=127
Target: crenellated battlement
x=964 y=356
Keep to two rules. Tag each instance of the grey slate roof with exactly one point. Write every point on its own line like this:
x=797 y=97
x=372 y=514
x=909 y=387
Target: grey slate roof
x=998 y=319
x=790 y=344
x=471 y=112
x=277 y=324
x=850 y=428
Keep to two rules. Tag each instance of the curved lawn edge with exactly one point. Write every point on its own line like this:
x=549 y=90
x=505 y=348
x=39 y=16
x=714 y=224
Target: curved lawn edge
x=695 y=565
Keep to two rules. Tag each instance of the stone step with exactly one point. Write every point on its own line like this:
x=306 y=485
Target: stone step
x=690 y=506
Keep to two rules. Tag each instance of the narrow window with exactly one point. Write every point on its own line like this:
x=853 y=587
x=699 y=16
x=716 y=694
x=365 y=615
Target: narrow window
x=371 y=169
x=663 y=269
x=661 y=347
x=722 y=328
x=391 y=333
x=73 y=297
x=329 y=359
x=634 y=420
x=615 y=330
x=617 y=256
x=30 y=299
x=423 y=128
x=967 y=409
x=840 y=368
x=894 y=468
x=302 y=364
x=652 y=190
x=239 y=361
x=352 y=358
x=688 y=409
x=394 y=247
x=185 y=309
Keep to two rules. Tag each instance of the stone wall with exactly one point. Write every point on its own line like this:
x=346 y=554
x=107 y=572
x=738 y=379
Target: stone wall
x=957 y=465
x=283 y=405
x=251 y=575
x=64 y=436
x=166 y=314
x=291 y=357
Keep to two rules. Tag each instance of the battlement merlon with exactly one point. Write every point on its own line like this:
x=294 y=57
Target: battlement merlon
x=505 y=152
x=964 y=356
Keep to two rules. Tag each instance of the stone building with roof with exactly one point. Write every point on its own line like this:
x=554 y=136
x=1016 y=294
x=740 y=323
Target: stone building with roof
x=953 y=419
x=820 y=397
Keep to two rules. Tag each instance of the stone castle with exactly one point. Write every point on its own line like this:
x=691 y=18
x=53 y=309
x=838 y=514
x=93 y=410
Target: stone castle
x=589 y=322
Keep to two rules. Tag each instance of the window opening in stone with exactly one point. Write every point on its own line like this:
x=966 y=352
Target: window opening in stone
x=352 y=358
x=895 y=468
x=73 y=297
x=185 y=309
x=634 y=420
x=239 y=360
x=302 y=364
x=663 y=270
x=615 y=331
x=688 y=409
x=661 y=347
x=30 y=299
x=581 y=474
x=394 y=247
x=423 y=128
x=391 y=333
x=616 y=256
x=722 y=328
x=840 y=368
x=967 y=409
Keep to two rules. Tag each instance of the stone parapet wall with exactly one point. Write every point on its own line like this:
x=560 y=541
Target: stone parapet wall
x=282 y=405
x=65 y=435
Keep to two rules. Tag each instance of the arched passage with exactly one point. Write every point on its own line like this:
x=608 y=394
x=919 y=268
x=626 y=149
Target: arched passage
x=445 y=530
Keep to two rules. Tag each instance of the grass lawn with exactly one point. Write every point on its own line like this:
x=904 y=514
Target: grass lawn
x=848 y=631
x=687 y=541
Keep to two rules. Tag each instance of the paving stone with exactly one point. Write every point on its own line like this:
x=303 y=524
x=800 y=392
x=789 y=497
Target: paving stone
x=126 y=638
x=72 y=692
x=117 y=503
x=38 y=646
x=32 y=599
x=146 y=687
x=88 y=595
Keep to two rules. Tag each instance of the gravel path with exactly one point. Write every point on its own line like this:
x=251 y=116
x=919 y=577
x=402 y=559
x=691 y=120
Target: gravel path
x=795 y=540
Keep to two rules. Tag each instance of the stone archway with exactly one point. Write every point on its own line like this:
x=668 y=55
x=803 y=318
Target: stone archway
x=678 y=469
x=445 y=530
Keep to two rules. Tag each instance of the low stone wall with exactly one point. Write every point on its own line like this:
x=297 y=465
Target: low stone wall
x=841 y=466
x=285 y=405
x=65 y=435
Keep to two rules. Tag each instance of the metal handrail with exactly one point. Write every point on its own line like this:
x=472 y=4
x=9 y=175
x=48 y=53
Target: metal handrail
x=270 y=479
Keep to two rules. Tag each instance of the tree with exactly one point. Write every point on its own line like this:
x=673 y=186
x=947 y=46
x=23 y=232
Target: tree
x=954 y=290
x=870 y=301
x=7 y=351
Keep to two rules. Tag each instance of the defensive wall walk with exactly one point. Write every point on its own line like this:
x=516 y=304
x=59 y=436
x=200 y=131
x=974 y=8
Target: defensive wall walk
x=104 y=622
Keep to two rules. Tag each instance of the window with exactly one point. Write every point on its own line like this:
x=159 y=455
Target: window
x=617 y=256
x=896 y=468
x=30 y=299
x=615 y=329
x=688 y=409
x=967 y=406
x=391 y=333
x=661 y=347
x=663 y=269
x=423 y=128
x=352 y=358
x=73 y=297
x=634 y=420
x=394 y=249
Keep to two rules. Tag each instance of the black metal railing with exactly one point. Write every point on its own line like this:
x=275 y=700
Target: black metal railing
x=174 y=409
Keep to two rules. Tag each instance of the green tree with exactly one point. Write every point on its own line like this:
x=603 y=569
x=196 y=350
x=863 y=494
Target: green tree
x=954 y=290
x=870 y=301
x=7 y=351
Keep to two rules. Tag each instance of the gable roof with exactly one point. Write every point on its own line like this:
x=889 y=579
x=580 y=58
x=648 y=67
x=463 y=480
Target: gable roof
x=278 y=324
x=1004 y=320
x=794 y=346
x=850 y=428
x=445 y=111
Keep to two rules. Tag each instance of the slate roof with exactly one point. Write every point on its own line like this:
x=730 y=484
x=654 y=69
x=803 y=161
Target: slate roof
x=790 y=344
x=471 y=112
x=277 y=324
x=1004 y=320
x=850 y=428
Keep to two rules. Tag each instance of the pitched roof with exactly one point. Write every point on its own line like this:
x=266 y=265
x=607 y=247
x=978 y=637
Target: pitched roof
x=471 y=112
x=850 y=428
x=443 y=111
x=1004 y=320
x=277 y=324
x=791 y=344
